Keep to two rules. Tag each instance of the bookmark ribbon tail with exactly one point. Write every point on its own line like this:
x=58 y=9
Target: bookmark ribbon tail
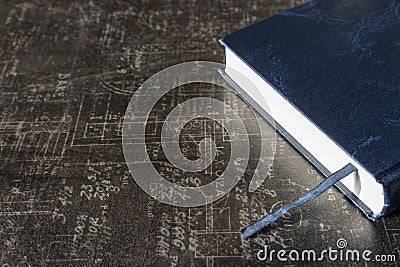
x=310 y=195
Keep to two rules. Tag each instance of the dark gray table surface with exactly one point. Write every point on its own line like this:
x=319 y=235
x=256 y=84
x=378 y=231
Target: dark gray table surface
x=67 y=72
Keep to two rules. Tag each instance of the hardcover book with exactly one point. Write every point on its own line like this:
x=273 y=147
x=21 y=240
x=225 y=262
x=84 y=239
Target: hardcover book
x=330 y=72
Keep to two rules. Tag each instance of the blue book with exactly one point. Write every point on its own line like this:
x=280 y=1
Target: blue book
x=329 y=72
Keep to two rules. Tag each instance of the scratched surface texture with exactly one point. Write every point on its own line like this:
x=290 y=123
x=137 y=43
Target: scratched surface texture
x=67 y=72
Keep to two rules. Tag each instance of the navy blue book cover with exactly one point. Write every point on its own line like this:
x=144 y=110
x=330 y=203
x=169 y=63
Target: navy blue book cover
x=339 y=63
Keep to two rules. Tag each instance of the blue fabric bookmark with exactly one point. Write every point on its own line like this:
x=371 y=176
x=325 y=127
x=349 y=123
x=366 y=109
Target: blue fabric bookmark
x=310 y=195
